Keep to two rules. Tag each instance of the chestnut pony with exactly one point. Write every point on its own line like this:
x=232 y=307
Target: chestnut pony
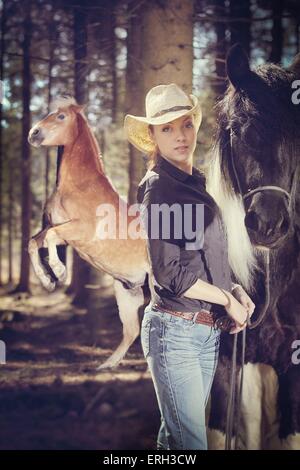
x=82 y=194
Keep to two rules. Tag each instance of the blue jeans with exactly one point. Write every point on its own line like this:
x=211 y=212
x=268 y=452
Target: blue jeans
x=182 y=357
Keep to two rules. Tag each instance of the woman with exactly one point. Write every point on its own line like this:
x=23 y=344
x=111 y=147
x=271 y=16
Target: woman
x=191 y=285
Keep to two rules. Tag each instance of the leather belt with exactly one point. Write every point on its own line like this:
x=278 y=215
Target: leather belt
x=203 y=317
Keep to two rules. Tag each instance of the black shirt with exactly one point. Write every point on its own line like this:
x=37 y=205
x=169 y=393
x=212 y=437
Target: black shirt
x=177 y=257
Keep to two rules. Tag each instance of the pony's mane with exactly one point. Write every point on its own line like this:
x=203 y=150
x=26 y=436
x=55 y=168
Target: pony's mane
x=84 y=127
x=63 y=102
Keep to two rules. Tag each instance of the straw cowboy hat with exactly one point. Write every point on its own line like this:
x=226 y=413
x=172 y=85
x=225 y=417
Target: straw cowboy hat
x=164 y=103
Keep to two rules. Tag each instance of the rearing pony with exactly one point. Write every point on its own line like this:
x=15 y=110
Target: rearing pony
x=254 y=177
x=73 y=214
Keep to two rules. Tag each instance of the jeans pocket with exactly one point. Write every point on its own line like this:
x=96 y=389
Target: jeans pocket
x=145 y=336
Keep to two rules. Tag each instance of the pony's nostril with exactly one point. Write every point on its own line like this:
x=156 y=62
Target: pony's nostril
x=36 y=132
x=251 y=221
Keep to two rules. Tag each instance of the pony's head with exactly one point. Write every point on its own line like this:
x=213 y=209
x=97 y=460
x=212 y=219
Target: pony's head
x=59 y=127
x=253 y=172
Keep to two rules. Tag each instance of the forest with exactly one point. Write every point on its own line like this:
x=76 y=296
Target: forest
x=106 y=54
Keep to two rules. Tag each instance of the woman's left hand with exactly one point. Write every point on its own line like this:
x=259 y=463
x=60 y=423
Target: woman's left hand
x=241 y=295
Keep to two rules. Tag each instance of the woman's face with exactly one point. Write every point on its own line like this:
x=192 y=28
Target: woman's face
x=176 y=140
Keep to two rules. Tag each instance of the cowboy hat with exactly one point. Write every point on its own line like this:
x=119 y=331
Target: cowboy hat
x=164 y=103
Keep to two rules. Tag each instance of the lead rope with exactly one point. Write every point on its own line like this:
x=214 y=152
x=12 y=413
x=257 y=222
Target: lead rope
x=233 y=384
x=239 y=400
x=231 y=399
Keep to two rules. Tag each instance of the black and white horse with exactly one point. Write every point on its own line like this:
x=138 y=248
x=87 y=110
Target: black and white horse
x=254 y=177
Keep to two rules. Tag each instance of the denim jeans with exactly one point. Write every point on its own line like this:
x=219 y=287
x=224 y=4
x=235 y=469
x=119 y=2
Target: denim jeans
x=182 y=357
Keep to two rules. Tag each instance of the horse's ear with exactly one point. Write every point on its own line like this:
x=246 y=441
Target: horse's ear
x=78 y=108
x=295 y=66
x=237 y=65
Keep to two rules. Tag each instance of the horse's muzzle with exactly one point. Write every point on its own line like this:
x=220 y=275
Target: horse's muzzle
x=35 y=137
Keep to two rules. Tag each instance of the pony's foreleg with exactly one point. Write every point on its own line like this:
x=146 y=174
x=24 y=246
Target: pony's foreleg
x=129 y=301
x=52 y=240
x=38 y=241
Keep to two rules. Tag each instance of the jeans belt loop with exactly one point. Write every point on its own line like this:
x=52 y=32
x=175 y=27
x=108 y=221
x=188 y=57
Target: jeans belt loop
x=195 y=317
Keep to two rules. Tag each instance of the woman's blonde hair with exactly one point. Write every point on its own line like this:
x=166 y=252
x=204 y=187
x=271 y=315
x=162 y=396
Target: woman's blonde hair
x=153 y=156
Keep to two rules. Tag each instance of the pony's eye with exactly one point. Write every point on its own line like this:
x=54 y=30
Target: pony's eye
x=61 y=116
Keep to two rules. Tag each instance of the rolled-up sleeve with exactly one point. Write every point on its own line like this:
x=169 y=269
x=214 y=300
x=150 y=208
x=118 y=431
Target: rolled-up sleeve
x=164 y=254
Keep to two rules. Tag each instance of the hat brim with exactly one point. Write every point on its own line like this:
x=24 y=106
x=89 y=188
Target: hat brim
x=136 y=127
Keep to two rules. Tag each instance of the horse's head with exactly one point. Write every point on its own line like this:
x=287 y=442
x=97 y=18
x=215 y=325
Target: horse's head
x=259 y=145
x=59 y=127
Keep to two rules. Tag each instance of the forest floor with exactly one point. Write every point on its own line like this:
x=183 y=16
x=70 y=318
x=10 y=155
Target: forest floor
x=51 y=394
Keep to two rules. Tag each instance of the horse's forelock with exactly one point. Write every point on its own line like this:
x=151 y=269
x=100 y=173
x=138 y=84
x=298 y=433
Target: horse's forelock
x=63 y=102
x=265 y=100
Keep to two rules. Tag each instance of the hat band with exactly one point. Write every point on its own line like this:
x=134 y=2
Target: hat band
x=170 y=110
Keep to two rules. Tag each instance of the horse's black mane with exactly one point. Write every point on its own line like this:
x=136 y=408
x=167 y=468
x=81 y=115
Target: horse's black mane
x=259 y=112
x=264 y=101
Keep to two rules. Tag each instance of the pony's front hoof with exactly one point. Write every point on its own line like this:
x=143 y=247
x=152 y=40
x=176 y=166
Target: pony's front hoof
x=62 y=279
x=60 y=272
x=108 y=365
x=63 y=276
x=48 y=284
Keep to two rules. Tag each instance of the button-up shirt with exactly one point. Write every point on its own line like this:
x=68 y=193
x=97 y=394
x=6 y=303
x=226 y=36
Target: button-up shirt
x=178 y=260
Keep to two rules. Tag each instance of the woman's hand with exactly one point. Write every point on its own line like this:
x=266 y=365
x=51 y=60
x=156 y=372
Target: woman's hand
x=241 y=295
x=237 y=312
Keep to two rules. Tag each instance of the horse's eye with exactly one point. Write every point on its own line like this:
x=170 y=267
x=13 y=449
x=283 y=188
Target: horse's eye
x=252 y=137
x=61 y=116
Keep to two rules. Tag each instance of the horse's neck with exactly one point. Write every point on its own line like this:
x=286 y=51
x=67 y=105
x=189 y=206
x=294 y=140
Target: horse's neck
x=81 y=160
x=96 y=149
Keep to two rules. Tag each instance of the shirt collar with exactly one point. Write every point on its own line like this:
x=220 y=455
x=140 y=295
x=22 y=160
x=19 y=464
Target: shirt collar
x=181 y=175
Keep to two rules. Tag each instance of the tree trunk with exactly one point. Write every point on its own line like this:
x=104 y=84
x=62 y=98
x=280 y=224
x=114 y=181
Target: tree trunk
x=134 y=90
x=240 y=29
x=168 y=43
x=2 y=45
x=112 y=59
x=81 y=269
x=23 y=285
x=10 y=221
x=221 y=47
x=277 y=33
x=160 y=50
x=50 y=66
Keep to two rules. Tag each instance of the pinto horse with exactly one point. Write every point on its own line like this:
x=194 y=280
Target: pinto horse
x=74 y=212
x=254 y=177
